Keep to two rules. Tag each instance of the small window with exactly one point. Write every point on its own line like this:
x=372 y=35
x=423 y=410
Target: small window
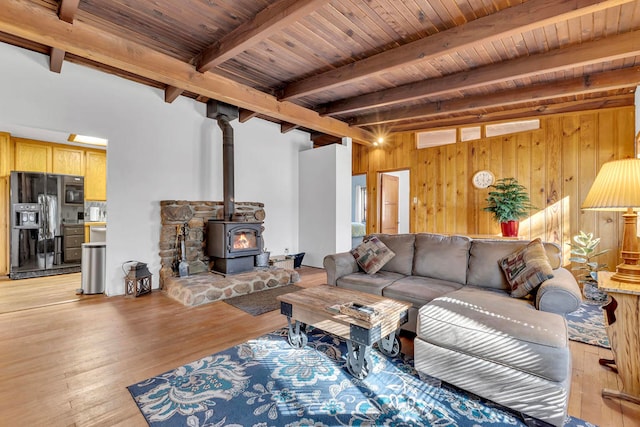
x=467 y=134
x=512 y=127
x=436 y=137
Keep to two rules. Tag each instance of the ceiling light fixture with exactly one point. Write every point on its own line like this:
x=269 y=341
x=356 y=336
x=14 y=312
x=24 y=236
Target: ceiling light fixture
x=85 y=139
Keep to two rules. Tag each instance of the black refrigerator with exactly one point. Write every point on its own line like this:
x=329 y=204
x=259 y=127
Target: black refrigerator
x=46 y=209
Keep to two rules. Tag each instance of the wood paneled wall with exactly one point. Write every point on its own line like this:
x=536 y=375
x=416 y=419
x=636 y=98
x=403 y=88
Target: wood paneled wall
x=557 y=163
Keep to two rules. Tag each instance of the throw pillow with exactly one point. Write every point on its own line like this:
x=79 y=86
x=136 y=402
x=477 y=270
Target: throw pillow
x=526 y=268
x=371 y=255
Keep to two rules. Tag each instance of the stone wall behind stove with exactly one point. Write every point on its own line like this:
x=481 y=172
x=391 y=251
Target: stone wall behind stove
x=195 y=214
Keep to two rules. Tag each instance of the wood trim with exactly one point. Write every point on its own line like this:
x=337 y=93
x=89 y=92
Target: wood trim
x=288 y=127
x=270 y=20
x=505 y=23
x=171 y=93
x=67 y=10
x=31 y=22
x=245 y=115
x=611 y=80
x=609 y=49
x=56 y=59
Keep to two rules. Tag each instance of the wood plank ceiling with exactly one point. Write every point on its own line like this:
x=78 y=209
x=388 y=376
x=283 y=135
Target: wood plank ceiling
x=357 y=68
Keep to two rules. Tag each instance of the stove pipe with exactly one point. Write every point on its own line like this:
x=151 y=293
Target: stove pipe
x=223 y=114
x=227 y=166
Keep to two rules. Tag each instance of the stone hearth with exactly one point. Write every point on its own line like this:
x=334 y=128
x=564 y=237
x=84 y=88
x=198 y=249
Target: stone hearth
x=202 y=286
x=209 y=287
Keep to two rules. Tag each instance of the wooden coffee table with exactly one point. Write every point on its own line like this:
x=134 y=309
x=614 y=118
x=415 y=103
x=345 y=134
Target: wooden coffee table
x=316 y=307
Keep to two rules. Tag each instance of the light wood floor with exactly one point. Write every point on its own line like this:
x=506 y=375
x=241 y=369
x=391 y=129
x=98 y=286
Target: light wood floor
x=65 y=360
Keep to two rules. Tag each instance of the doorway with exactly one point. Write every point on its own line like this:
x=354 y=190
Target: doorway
x=394 y=202
x=358 y=209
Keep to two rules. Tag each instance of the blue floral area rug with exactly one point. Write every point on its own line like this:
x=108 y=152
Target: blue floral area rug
x=586 y=325
x=265 y=382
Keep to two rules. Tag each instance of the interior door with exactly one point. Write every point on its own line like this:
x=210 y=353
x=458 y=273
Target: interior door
x=389 y=189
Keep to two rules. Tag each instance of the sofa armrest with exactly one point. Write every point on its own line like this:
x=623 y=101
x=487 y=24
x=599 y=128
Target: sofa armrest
x=338 y=265
x=560 y=294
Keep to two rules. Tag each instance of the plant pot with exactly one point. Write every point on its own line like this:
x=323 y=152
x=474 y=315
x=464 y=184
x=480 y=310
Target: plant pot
x=510 y=228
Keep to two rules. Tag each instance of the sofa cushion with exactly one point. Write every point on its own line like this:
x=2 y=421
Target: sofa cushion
x=484 y=270
x=419 y=290
x=402 y=246
x=441 y=257
x=526 y=268
x=369 y=283
x=493 y=326
x=372 y=254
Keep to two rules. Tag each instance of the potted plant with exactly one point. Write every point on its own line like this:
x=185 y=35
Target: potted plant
x=509 y=202
x=584 y=251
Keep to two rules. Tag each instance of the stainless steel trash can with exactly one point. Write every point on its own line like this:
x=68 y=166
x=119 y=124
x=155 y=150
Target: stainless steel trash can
x=93 y=267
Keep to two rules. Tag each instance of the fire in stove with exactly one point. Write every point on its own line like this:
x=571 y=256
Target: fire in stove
x=244 y=240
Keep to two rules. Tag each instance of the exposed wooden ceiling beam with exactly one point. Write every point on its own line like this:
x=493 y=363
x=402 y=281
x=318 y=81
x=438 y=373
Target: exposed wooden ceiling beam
x=56 y=58
x=32 y=22
x=608 y=49
x=288 y=127
x=600 y=82
x=246 y=115
x=171 y=93
x=519 y=113
x=67 y=10
x=270 y=20
x=505 y=23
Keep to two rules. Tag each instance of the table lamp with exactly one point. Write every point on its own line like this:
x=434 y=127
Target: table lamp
x=617 y=188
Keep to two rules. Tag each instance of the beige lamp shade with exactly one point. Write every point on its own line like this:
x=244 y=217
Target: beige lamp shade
x=616 y=188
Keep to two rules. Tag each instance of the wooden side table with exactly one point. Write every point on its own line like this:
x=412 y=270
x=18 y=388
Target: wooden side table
x=622 y=316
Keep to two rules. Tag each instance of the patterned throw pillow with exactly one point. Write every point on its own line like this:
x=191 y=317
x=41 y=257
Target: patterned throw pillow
x=371 y=255
x=526 y=268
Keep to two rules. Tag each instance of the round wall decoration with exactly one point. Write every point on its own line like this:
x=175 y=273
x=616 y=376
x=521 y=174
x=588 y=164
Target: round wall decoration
x=483 y=179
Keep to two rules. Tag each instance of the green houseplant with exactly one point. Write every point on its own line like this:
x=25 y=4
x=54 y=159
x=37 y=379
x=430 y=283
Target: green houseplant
x=583 y=250
x=508 y=202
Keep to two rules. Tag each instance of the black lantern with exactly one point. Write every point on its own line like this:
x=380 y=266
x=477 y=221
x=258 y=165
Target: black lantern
x=137 y=281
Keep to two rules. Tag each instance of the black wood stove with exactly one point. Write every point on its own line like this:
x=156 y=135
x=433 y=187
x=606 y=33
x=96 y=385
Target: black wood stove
x=232 y=244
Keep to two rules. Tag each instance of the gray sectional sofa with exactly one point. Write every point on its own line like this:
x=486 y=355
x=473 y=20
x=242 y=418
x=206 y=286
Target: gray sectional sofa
x=469 y=331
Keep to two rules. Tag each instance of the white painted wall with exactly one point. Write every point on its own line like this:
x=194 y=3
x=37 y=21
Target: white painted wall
x=157 y=151
x=325 y=203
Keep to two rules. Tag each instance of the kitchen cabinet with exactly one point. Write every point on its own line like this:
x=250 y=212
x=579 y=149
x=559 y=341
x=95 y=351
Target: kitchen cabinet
x=31 y=156
x=73 y=238
x=95 y=178
x=68 y=161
